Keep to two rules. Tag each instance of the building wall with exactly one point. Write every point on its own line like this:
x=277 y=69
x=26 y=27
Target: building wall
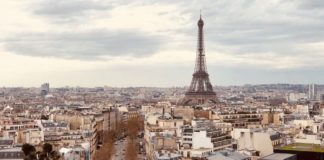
x=166 y=143
x=110 y=120
x=310 y=139
x=270 y=118
x=75 y=121
x=202 y=114
x=242 y=119
x=276 y=119
x=186 y=112
x=200 y=140
x=258 y=141
x=262 y=143
x=266 y=118
x=303 y=123
x=34 y=137
x=236 y=133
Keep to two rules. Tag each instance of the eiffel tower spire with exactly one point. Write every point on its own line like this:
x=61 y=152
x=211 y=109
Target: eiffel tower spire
x=200 y=90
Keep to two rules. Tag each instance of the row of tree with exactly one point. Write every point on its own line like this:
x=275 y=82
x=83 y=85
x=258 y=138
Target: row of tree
x=46 y=154
x=134 y=126
x=108 y=139
x=107 y=149
x=131 y=129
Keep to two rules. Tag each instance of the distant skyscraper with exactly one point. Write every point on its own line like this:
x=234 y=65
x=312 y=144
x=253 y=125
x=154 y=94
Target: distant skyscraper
x=200 y=90
x=45 y=89
x=322 y=98
x=312 y=92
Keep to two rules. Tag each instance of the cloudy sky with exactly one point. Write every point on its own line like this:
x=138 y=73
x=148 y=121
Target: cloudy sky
x=153 y=42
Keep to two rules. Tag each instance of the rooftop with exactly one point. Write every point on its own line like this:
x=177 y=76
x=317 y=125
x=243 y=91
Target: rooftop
x=11 y=153
x=303 y=147
x=227 y=155
x=166 y=155
x=277 y=156
x=6 y=141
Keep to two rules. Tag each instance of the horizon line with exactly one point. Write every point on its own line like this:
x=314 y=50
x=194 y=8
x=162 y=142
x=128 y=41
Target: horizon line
x=139 y=86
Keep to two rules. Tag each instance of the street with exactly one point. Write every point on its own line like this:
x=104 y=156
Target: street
x=120 y=149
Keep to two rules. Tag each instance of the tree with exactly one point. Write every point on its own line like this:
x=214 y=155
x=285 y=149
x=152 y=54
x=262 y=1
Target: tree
x=131 y=152
x=48 y=153
x=44 y=117
x=29 y=152
x=119 y=130
x=28 y=149
x=47 y=148
x=107 y=149
x=134 y=125
x=54 y=155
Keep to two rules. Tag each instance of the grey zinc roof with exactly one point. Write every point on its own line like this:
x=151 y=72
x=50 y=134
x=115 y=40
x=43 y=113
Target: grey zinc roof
x=218 y=157
x=227 y=155
x=11 y=153
x=238 y=156
x=6 y=141
x=277 y=156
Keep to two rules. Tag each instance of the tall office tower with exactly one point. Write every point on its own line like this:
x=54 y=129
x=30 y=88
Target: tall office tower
x=312 y=92
x=200 y=90
x=45 y=89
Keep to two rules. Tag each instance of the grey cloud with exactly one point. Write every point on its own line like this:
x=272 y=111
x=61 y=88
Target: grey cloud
x=243 y=27
x=238 y=26
x=221 y=75
x=68 y=10
x=93 y=45
x=281 y=39
x=311 y=4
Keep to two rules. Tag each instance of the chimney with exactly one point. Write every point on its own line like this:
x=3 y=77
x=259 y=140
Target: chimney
x=163 y=112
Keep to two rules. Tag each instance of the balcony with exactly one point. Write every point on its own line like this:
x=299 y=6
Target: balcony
x=222 y=143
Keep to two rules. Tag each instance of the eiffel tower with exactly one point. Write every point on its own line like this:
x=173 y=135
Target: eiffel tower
x=200 y=90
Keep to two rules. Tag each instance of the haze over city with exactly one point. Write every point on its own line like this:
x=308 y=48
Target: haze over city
x=152 y=43
x=161 y=80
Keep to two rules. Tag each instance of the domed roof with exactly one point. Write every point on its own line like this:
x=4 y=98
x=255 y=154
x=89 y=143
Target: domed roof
x=8 y=107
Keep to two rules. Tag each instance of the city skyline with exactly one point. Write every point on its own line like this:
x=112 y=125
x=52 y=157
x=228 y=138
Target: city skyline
x=152 y=43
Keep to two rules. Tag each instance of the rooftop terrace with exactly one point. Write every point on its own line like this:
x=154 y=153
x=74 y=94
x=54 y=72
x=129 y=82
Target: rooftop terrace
x=304 y=147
